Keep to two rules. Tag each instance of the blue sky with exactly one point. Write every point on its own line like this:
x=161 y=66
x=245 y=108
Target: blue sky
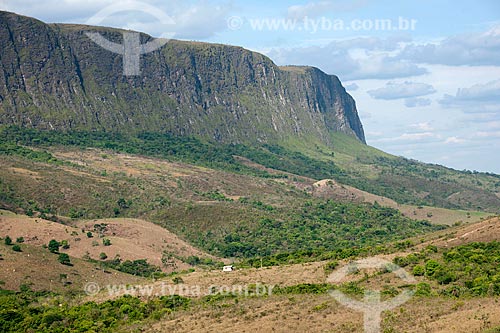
x=429 y=92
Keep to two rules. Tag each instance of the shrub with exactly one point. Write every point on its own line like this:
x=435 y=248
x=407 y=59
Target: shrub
x=423 y=289
x=106 y=242
x=20 y=240
x=330 y=266
x=53 y=246
x=89 y=234
x=400 y=261
x=8 y=240
x=65 y=244
x=193 y=260
x=16 y=248
x=64 y=259
x=419 y=270
x=431 y=266
x=103 y=256
x=177 y=280
x=443 y=276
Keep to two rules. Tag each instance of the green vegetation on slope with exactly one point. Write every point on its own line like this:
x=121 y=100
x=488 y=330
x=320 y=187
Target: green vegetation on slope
x=352 y=163
x=185 y=149
x=322 y=227
x=466 y=270
x=403 y=180
x=29 y=311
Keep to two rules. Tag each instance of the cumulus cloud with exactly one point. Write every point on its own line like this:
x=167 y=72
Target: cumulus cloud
x=318 y=8
x=352 y=87
x=393 y=90
x=425 y=126
x=484 y=98
x=193 y=20
x=201 y=20
x=474 y=49
x=419 y=137
x=488 y=134
x=339 y=58
x=454 y=140
x=414 y=102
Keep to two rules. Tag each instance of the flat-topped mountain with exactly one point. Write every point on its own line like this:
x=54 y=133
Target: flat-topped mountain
x=52 y=76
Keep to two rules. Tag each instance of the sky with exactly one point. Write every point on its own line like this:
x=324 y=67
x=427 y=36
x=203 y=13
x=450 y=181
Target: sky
x=425 y=74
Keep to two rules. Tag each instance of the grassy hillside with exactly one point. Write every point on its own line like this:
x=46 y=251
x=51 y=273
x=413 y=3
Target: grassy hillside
x=225 y=213
x=403 y=180
x=296 y=297
x=350 y=162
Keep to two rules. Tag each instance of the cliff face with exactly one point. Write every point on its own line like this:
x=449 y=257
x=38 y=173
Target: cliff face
x=55 y=77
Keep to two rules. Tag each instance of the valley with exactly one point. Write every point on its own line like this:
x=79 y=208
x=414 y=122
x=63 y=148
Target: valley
x=220 y=192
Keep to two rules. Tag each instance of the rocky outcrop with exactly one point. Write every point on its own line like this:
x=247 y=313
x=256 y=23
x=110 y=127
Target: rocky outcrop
x=55 y=77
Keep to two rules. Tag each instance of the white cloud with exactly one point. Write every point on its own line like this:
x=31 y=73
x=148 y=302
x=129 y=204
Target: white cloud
x=411 y=137
x=414 y=102
x=311 y=9
x=393 y=90
x=372 y=61
x=425 y=126
x=485 y=134
x=193 y=20
x=318 y=8
x=202 y=20
x=475 y=49
x=352 y=87
x=483 y=98
x=374 y=133
x=417 y=136
x=454 y=140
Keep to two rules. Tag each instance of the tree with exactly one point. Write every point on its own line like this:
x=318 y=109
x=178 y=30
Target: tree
x=64 y=259
x=8 y=240
x=89 y=234
x=54 y=246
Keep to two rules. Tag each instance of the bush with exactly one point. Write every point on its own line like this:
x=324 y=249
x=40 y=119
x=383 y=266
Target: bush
x=64 y=259
x=330 y=266
x=444 y=277
x=65 y=244
x=89 y=234
x=193 y=260
x=177 y=280
x=8 y=240
x=53 y=246
x=16 y=248
x=103 y=256
x=20 y=240
x=423 y=289
x=431 y=266
x=106 y=242
x=419 y=270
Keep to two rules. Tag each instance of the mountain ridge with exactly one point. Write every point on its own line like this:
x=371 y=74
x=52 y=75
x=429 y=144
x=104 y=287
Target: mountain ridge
x=55 y=77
